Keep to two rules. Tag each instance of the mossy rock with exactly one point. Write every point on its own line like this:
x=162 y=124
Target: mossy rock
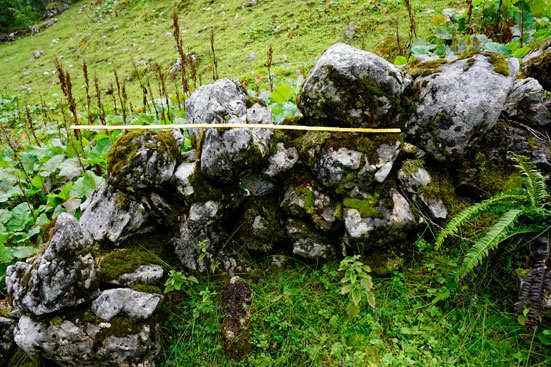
x=142 y=159
x=124 y=261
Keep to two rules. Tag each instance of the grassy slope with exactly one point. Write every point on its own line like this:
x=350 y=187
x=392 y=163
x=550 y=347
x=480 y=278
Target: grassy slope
x=140 y=30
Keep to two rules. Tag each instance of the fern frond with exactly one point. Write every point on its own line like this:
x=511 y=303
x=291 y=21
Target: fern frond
x=491 y=239
x=535 y=183
x=495 y=204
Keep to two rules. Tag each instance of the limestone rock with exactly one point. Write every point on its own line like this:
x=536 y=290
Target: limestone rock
x=282 y=161
x=227 y=154
x=112 y=215
x=144 y=274
x=37 y=54
x=137 y=305
x=63 y=275
x=307 y=243
x=7 y=344
x=525 y=103
x=415 y=178
x=142 y=159
x=380 y=227
x=256 y=186
x=352 y=87
x=181 y=179
x=537 y=63
x=307 y=201
x=459 y=101
x=82 y=343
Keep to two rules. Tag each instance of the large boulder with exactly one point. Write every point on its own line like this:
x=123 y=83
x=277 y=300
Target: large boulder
x=142 y=159
x=526 y=103
x=352 y=87
x=459 y=101
x=227 y=153
x=88 y=341
x=64 y=275
x=111 y=215
x=537 y=63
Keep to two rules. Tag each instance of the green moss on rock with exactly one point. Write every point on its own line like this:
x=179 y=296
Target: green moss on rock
x=366 y=207
x=119 y=262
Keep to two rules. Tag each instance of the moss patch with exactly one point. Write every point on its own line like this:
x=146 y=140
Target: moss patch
x=365 y=207
x=417 y=68
x=119 y=262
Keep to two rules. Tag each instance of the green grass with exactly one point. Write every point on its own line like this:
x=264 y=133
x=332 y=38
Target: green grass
x=139 y=31
x=299 y=319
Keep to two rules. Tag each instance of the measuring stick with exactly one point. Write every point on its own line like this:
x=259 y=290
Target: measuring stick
x=239 y=126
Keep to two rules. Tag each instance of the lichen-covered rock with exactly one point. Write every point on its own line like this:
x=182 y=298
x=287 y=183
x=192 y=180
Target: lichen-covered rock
x=112 y=215
x=228 y=153
x=487 y=168
x=460 y=101
x=282 y=161
x=237 y=298
x=537 y=63
x=352 y=87
x=306 y=201
x=134 y=304
x=525 y=103
x=81 y=342
x=378 y=223
x=7 y=344
x=64 y=275
x=144 y=274
x=307 y=243
x=352 y=171
x=142 y=159
x=257 y=186
x=182 y=179
x=261 y=225
x=417 y=180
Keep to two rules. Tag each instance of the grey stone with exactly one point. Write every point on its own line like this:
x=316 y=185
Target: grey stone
x=227 y=154
x=536 y=63
x=282 y=161
x=137 y=305
x=144 y=274
x=7 y=344
x=251 y=56
x=389 y=227
x=142 y=159
x=414 y=176
x=306 y=201
x=79 y=343
x=182 y=177
x=111 y=215
x=64 y=275
x=459 y=103
x=257 y=186
x=352 y=87
x=37 y=54
x=307 y=243
x=525 y=103
x=333 y=166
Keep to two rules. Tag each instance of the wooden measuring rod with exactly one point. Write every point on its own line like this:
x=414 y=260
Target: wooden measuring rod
x=239 y=126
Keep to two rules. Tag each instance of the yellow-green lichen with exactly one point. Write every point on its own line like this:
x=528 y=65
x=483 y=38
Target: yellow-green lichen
x=366 y=207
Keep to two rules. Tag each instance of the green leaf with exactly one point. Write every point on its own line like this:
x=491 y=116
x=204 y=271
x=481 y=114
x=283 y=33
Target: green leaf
x=52 y=164
x=20 y=215
x=29 y=161
x=352 y=309
x=70 y=168
x=22 y=252
x=400 y=60
x=496 y=47
x=282 y=93
x=85 y=185
x=356 y=295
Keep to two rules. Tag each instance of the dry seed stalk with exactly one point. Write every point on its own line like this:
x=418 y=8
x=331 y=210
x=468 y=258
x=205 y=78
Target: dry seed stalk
x=88 y=98
x=31 y=124
x=214 y=61
x=178 y=39
x=123 y=105
x=269 y=66
x=98 y=97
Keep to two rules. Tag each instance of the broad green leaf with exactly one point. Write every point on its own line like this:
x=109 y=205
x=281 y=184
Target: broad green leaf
x=85 y=185
x=282 y=93
x=22 y=252
x=29 y=161
x=496 y=47
x=6 y=254
x=352 y=309
x=52 y=164
x=356 y=295
x=70 y=168
x=72 y=204
x=38 y=181
x=20 y=215
x=400 y=60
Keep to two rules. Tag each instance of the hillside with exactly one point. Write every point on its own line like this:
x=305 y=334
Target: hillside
x=111 y=35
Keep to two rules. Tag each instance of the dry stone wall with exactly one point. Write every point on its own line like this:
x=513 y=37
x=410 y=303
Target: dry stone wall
x=252 y=192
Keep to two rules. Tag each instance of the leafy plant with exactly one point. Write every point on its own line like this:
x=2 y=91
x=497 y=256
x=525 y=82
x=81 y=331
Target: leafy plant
x=177 y=279
x=357 y=284
x=524 y=213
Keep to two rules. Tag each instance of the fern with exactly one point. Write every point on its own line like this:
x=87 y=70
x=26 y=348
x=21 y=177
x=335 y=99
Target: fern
x=496 y=204
x=495 y=235
x=534 y=181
